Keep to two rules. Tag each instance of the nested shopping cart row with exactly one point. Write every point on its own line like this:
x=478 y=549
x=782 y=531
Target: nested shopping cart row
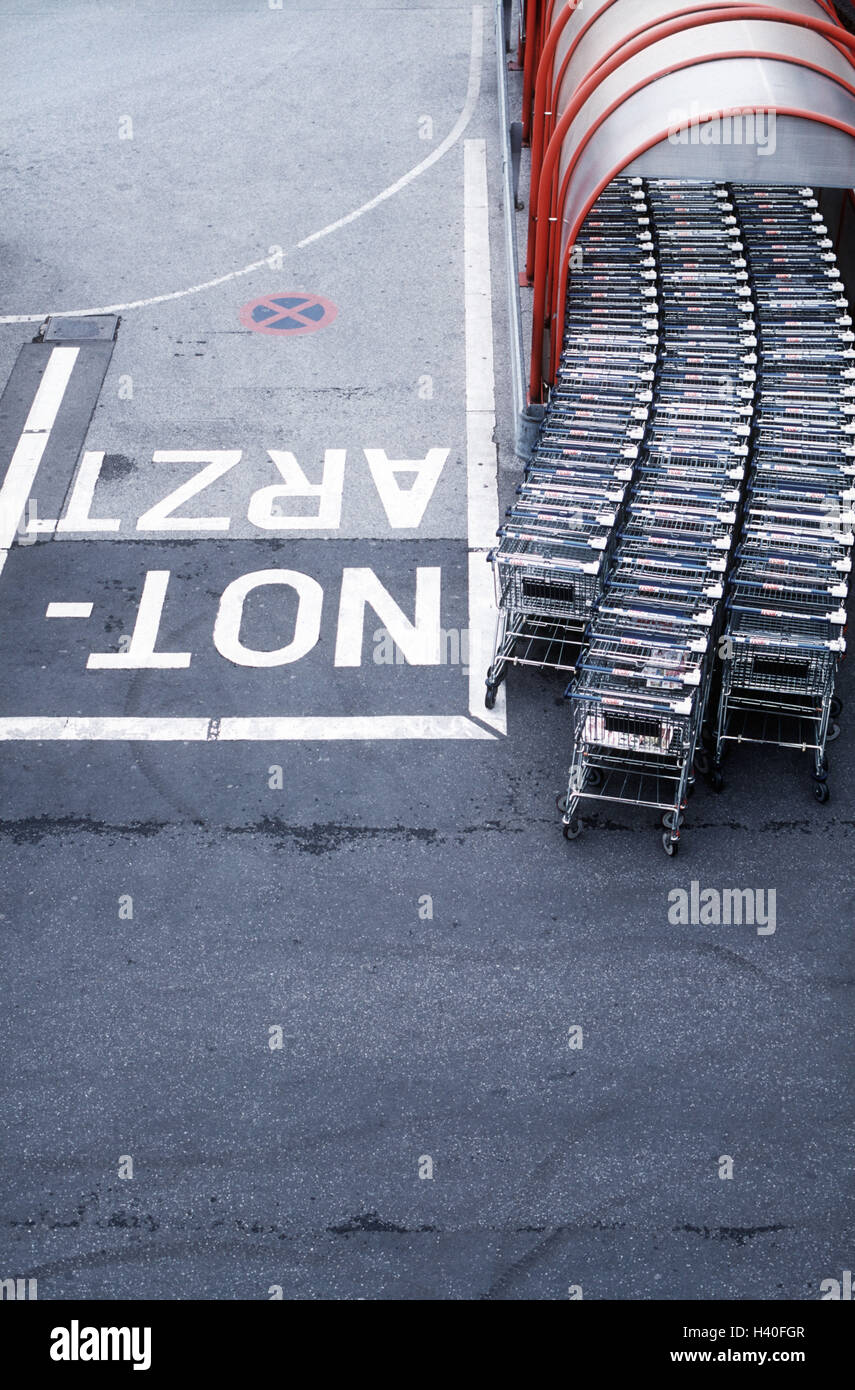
x=787 y=590
x=643 y=678
x=558 y=537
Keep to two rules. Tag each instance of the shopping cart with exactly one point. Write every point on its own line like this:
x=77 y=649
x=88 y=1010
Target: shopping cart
x=643 y=678
x=787 y=590
x=557 y=540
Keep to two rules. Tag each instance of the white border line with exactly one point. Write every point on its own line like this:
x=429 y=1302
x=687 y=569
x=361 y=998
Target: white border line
x=273 y=729
x=482 y=520
x=69 y=610
x=21 y=474
x=482 y=492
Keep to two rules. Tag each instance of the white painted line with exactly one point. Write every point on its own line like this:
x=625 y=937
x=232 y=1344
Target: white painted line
x=77 y=511
x=319 y=728
x=140 y=654
x=21 y=473
x=481 y=454
x=51 y=389
x=68 y=610
x=476 y=54
x=472 y=92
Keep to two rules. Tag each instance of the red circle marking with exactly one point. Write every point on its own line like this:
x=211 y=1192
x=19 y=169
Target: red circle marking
x=288 y=313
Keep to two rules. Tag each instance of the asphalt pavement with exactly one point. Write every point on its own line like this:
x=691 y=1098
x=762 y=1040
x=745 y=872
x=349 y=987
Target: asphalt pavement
x=304 y=991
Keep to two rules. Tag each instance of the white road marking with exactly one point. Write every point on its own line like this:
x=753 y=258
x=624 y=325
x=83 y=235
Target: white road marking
x=418 y=641
x=21 y=473
x=307 y=624
x=160 y=518
x=77 y=518
x=472 y=93
x=482 y=514
x=318 y=728
x=406 y=509
x=140 y=654
x=481 y=454
x=69 y=610
x=328 y=492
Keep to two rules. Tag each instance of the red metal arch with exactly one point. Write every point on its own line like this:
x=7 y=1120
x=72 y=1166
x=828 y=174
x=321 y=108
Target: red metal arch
x=643 y=28
x=554 y=227
x=611 y=63
x=542 y=98
x=546 y=90
x=531 y=55
x=636 y=154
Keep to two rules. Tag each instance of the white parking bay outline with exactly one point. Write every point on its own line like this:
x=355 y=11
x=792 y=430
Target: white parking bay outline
x=482 y=521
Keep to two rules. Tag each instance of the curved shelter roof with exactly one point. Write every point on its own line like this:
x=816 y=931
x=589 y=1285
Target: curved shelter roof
x=734 y=90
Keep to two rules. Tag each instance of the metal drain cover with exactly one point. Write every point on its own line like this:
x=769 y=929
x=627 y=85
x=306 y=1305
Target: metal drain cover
x=91 y=327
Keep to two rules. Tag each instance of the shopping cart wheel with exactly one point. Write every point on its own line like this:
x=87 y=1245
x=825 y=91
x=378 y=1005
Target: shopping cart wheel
x=573 y=830
x=821 y=792
x=702 y=761
x=670 y=846
x=490 y=697
x=833 y=733
x=668 y=820
x=836 y=707
x=594 y=778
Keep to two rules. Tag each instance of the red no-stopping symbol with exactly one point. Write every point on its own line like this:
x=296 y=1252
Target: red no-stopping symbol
x=288 y=313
